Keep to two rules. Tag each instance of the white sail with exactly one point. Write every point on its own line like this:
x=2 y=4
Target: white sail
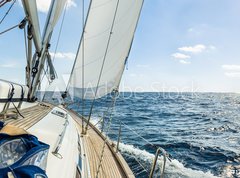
x=56 y=10
x=103 y=47
x=30 y=8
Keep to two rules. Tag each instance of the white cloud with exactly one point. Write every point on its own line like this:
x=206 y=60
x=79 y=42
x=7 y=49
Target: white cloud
x=181 y=56
x=43 y=5
x=232 y=74
x=62 y=55
x=9 y=65
x=231 y=67
x=184 y=62
x=71 y=3
x=232 y=71
x=193 y=49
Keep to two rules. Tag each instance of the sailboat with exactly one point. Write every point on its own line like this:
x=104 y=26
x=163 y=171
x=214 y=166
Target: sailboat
x=39 y=139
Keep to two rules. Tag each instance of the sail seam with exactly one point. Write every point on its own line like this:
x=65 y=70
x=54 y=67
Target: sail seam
x=83 y=43
x=105 y=55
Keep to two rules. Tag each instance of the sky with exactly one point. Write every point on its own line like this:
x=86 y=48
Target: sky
x=179 y=45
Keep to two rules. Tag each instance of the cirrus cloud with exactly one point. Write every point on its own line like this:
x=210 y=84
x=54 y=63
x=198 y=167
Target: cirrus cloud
x=232 y=70
x=9 y=65
x=231 y=67
x=193 y=49
x=181 y=56
x=64 y=55
x=232 y=74
x=184 y=62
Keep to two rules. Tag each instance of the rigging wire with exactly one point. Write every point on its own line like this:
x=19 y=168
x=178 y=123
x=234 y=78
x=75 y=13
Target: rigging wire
x=25 y=41
x=3 y=2
x=60 y=31
x=49 y=82
x=113 y=103
x=145 y=140
x=26 y=51
x=21 y=25
x=7 y=30
x=98 y=122
x=9 y=9
x=140 y=164
x=45 y=74
x=90 y=6
x=83 y=40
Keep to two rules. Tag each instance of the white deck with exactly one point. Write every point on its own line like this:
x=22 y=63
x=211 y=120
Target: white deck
x=41 y=122
x=47 y=130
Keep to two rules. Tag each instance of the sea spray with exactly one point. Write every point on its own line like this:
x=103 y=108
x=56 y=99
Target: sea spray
x=174 y=168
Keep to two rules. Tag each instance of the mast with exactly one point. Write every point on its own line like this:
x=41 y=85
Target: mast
x=33 y=34
x=54 y=13
x=30 y=9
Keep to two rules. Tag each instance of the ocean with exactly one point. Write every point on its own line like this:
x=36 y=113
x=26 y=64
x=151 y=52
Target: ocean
x=199 y=131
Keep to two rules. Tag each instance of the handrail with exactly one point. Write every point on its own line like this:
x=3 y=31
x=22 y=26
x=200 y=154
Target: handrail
x=60 y=139
x=159 y=150
x=119 y=135
x=155 y=162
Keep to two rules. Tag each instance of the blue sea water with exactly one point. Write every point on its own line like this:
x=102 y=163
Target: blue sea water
x=200 y=131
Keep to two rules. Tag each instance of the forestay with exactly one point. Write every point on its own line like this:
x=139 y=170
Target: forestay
x=104 y=49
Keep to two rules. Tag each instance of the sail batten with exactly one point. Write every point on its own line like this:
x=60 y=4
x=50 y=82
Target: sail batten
x=105 y=45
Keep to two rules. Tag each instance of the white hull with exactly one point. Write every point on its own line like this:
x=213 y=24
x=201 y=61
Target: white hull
x=76 y=153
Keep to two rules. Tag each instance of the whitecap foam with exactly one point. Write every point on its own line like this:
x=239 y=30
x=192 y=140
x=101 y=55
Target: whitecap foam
x=174 y=168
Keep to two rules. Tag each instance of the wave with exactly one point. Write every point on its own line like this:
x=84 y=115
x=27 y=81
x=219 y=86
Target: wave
x=174 y=168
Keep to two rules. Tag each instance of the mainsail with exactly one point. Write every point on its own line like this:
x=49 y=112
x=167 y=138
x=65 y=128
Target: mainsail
x=53 y=17
x=104 y=47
